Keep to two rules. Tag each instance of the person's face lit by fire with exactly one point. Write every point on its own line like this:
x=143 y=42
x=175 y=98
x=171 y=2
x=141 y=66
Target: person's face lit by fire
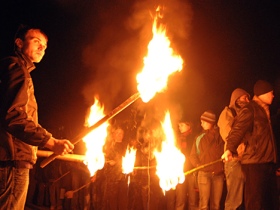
x=33 y=46
x=206 y=125
x=267 y=98
x=242 y=101
x=118 y=135
x=184 y=127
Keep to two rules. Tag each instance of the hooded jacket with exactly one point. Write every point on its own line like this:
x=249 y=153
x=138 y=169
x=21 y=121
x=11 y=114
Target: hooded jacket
x=20 y=133
x=228 y=114
x=253 y=127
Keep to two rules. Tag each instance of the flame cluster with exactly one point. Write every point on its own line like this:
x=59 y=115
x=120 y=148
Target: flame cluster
x=95 y=140
x=159 y=64
x=128 y=160
x=170 y=160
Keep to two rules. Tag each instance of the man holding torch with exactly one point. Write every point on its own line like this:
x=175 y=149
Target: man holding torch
x=253 y=127
x=20 y=133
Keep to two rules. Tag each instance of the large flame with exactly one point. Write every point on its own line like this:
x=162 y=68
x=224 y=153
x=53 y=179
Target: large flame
x=128 y=160
x=95 y=140
x=170 y=160
x=159 y=63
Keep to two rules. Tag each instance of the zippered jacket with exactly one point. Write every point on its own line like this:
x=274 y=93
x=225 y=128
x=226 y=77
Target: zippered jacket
x=20 y=133
x=253 y=127
x=209 y=148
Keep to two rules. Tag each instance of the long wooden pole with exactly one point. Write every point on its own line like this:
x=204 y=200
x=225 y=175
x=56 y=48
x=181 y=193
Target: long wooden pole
x=113 y=113
x=67 y=157
x=81 y=158
x=202 y=166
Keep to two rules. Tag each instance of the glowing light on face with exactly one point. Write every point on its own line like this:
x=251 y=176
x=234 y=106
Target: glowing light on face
x=267 y=97
x=33 y=46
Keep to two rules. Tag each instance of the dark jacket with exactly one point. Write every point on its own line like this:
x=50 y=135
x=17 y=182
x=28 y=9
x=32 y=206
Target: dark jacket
x=252 y=126
x=209 y=148
x=185 y=142
x=20 y=133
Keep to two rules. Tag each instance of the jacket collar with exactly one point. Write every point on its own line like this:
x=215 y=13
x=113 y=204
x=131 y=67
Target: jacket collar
x=263 y=105
x=27 y=62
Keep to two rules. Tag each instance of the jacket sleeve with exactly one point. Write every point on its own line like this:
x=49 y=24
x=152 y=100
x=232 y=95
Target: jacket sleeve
x=15 y=98
x=242 y=125
x=194 y=159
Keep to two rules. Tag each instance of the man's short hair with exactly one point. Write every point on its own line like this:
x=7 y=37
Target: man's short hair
x=23 y=29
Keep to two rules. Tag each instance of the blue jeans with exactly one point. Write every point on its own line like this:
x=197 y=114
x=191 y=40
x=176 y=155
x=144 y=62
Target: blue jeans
x=13 y=187
x=210 y=188
x=235 y=184
x=192 y=191
x=176 y=199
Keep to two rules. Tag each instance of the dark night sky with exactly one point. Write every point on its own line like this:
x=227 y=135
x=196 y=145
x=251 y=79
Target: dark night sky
x=97 y=47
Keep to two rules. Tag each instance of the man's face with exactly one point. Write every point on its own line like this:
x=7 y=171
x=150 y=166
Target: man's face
x=244 y=98
x=33 y=46
x=242 y=101
x=267 y=98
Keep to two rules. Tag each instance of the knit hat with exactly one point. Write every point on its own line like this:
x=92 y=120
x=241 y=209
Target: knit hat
x=262 y=87
x=209 y=117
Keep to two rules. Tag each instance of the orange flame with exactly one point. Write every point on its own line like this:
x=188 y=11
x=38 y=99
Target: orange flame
x=159 y=64
x=95 y=140
x=128 y=160
x=170 y=160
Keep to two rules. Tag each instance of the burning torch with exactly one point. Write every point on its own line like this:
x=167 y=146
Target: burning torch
x=159 y=64
x=113 y=113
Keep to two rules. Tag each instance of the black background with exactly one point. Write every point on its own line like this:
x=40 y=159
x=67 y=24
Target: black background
x=97 y=47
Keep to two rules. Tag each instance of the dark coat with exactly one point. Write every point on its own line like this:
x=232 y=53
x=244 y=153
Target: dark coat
x=210 y=148
x=252 y=126
x=20 y=133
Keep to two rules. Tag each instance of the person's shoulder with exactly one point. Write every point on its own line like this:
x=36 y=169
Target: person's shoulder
x=228 y=110
x=7 y=61
x=249 y=109
x=227 y=114
x=9 y=57
x=250 y=106
x=11 y=62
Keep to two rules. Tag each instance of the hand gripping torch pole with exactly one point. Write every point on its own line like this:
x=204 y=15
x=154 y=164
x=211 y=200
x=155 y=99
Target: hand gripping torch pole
x=107 y=117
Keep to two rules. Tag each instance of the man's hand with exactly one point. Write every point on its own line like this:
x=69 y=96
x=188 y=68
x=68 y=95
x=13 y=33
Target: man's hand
x=227 y=156
x=59 y=146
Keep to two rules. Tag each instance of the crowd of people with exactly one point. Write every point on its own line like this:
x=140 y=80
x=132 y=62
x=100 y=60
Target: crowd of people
x=247 y=166
x=243 y=137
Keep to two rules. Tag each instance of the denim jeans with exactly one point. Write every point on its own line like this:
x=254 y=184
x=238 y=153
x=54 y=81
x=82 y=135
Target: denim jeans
x=176 y=199
x=13 y=187
x=210 y=190
x=192 y=191
x=235 y=184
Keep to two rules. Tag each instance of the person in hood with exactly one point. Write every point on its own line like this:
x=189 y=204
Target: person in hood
x=233 y=173
x=20 y=132
x=253 y=127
